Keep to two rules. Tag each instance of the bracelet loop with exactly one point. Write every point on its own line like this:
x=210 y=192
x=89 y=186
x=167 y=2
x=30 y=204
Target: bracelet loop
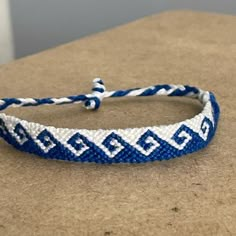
x=132 y=145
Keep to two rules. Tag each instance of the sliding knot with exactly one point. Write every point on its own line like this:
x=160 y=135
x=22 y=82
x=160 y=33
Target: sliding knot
x=94 y=99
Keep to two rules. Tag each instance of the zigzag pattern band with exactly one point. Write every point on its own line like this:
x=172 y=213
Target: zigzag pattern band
x=131 y=145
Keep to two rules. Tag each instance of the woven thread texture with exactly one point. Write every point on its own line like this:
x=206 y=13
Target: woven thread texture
x=131 y=145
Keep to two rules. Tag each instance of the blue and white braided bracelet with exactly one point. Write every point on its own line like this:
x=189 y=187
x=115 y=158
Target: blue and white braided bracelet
x=132 y=145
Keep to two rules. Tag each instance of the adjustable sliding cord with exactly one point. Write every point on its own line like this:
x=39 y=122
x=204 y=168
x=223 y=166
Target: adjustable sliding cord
x=93 y=101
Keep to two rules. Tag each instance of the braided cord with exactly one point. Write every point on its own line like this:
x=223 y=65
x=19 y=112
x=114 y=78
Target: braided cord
x=93 y=101
x=132 y=145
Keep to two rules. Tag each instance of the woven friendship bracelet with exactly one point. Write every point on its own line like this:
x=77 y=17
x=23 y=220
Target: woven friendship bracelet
x=133 y=145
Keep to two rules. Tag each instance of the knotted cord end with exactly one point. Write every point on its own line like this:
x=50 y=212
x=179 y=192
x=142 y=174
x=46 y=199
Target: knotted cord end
x=94 y=99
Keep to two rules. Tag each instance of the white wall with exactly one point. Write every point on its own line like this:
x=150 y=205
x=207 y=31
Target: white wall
x=41 y=24
x=6 y=43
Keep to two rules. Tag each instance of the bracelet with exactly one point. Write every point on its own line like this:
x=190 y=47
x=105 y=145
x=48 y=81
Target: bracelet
x=132 y=145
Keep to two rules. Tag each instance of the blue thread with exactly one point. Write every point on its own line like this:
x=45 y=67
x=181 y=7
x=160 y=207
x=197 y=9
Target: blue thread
x=142 y=142
x=114 y=149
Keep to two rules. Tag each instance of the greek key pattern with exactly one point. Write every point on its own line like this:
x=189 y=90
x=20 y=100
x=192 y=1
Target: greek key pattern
x=134 y=145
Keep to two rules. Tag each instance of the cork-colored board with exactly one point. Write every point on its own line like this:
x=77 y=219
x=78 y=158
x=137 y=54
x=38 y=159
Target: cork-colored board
x=192 y=195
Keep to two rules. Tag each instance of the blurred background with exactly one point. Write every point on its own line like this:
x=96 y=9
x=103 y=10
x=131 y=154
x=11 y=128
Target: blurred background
x=30 y=26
